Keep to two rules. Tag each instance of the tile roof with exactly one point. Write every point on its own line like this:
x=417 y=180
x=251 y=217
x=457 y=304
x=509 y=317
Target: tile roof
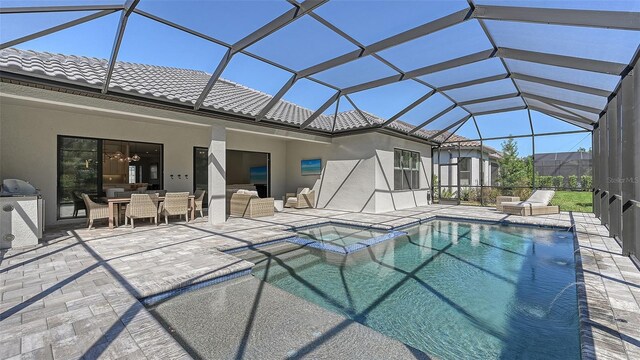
x=183 y=86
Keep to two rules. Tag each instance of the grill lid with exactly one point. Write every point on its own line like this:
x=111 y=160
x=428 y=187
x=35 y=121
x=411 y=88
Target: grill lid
x=17 y=187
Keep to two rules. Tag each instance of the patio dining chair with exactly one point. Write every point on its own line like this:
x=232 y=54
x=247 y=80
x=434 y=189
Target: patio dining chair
x=141 y=206
x=199 y=199
x=78 y=203
x=175 y=204
x=95 y=211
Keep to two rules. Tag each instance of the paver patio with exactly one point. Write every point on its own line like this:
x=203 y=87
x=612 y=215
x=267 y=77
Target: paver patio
x=76 y=294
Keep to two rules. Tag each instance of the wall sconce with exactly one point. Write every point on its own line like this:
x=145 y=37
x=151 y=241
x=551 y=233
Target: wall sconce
x=171 y=176
x=179 y=176
x=186 y=176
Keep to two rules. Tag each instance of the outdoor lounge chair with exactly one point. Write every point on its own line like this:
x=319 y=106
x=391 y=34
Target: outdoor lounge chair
x=303 y=198
x=246 y=203
x=141 y=206
x=536 y=204
x=95 y=211
x=175 y=204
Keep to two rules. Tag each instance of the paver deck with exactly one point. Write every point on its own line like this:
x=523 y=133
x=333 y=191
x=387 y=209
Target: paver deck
x=76 y=294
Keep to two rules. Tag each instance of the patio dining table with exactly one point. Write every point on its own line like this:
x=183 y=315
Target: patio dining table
x=115 y=212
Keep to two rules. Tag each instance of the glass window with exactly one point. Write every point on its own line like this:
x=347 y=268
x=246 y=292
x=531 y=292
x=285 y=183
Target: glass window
x=132 y=174
x=464 y=166
x=77 y=174
x=406 y=170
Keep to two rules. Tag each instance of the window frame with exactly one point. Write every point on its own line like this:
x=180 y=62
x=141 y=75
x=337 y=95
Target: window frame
x=407 y=163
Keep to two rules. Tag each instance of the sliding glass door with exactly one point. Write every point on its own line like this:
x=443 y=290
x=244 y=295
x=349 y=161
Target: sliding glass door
x=78 y=172
x=93 y=166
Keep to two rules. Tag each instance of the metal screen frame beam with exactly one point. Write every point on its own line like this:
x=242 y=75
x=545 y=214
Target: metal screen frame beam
x=489 y=99
x=449 y=64
x=274 y=100
x=432 y=119
x=560 y=84
x=356 y=108
x=550 y=101
x=562 y=61
x=63 y=8
x=630 y=142
x=489 y=112
x=264 y=31
x=57 y=28
x=410 y=107
x=623 y=20
x=474 y=82
x=461 y=121
x=579 y=122
x=322 y=109
x=128 y=8
x=419 y=31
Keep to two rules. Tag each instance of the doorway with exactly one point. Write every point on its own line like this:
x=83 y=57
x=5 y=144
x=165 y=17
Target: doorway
x=244 y=169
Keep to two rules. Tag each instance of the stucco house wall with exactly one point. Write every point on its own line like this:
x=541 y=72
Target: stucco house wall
x=357 y=169
x=358 y=173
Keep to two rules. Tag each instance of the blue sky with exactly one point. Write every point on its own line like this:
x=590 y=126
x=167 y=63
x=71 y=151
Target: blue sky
x=307 y=42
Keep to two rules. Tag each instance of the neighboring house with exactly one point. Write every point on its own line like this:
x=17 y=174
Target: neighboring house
x=468 y=164
x=62 y=134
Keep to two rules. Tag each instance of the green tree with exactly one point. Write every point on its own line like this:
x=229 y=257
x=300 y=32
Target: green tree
x=514 y=171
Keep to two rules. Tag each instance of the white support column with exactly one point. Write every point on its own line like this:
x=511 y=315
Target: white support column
x=217 y=175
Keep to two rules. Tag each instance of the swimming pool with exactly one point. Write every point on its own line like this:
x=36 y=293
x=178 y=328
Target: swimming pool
x=450 y=289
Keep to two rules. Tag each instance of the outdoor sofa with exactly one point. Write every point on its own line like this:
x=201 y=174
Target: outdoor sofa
x=246 y=203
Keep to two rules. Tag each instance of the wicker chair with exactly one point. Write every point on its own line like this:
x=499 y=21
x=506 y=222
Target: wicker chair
x=175 y=204
x=95 y=211
x=247 y=204
x=303 y=198
x=141 y=207
x=199 y=199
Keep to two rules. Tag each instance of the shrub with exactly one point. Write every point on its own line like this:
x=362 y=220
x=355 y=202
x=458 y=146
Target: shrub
x=586 y=182
x=558 y=181
x=522 y=193
x=545 y=181
x=489 y=195
x=573 y=181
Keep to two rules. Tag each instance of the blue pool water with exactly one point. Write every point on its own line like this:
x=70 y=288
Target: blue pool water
x=453 y=290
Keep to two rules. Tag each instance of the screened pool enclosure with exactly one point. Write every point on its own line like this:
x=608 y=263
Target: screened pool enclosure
x=445 y=73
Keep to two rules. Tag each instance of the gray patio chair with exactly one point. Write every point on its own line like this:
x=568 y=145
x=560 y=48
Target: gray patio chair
x=141 y=207
x=199 y=199
x=95 y=211
x=175 y=204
